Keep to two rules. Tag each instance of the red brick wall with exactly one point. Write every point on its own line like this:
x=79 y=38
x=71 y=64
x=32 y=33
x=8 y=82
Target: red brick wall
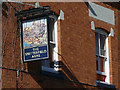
x=76 y=45
x=119 y=50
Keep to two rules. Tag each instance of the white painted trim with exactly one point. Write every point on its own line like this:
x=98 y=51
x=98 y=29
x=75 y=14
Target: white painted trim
x=107 y=69
x=92 y=25
x=37 y=5
x=61 y=17
x=99 y=43
x=51 y=42
x=111 y=32
x=55 y=56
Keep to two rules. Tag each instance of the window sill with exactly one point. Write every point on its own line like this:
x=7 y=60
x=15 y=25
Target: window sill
x=51 y=72
x=102 y=84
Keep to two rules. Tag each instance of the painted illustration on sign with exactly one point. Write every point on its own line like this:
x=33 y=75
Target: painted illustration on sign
x=35 y=40
x=35 y=33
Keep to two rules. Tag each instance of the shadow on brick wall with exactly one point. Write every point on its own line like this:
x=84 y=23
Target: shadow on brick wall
x=65 y=78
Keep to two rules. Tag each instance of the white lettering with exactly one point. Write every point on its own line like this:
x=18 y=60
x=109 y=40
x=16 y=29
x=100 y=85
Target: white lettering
x=35 y=49
x=27 y=54
x=34 y=56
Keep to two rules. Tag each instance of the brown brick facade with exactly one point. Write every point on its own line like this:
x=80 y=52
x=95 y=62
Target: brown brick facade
x=76 y=42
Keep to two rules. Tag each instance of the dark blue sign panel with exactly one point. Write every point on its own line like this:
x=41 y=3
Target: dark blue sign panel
x=36 y=53
x=35 y=40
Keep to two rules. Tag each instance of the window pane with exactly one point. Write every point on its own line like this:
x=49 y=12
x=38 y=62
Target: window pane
x=97 y=65
x=97 y=43
x=102 y=64
x=51 y=30
x=101 y=77
x=102 y=44
x=45 y=63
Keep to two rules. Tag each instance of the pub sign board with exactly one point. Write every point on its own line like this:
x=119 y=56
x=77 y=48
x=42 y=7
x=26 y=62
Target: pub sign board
x=35 y=39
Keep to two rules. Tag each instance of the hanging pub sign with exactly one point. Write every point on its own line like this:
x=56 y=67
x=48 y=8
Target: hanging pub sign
x=33 y=24
x=35 y=39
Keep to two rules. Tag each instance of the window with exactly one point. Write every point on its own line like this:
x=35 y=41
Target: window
x=51 y=65
x=102 y=60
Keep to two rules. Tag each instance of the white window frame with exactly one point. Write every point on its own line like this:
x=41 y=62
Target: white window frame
x=106 y=65
x=55 y=51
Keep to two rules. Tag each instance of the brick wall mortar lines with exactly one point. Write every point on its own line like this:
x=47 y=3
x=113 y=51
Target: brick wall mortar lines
x=77 y=40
